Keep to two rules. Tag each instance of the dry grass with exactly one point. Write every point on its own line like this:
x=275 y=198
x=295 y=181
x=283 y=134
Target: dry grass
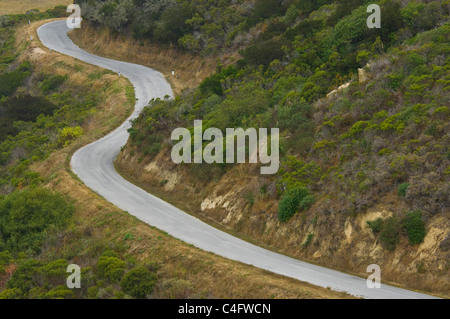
x=189 y=70
x=22 y=6
x=207 y=275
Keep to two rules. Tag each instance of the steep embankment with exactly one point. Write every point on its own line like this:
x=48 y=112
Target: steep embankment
x=339 y=241
x=245 y=203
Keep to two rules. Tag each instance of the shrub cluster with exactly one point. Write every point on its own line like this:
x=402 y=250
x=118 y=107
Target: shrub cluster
x=389 y=229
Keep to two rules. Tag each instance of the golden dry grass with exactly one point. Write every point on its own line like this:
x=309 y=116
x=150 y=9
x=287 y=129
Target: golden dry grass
x=189 y=69
x=208 y=275
x=22 y=6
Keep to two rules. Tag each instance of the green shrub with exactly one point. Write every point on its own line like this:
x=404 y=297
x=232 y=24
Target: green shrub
x=172 y=24
x=376 y=225
x=154 y=145
x=110 y=253
x=287 y=207
x=59 y=292
x=5 y=258
x=348 y=31
x=264 y=52
x=10 y=81
x=14 y=293
x=69 y=134
x=395 y=81
x=111 y=268
x=212 y=85
x=133 y=133
x=54 y=273
x=415 y=227
x=52 y=83
x=420 y=16
x=290 y=202
x=26 y=216
x=22 y=107
x=390 y=232
x=128 y=236
x=402 y=188
x=306 y=202
x=23 y=276
x=138 y=282
x=264 y=9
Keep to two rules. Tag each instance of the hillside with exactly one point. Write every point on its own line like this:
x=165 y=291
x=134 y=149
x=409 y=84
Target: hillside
x=364 y=170
x=51 y=105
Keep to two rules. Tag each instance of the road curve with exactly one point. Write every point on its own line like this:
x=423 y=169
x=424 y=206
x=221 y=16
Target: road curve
x=94 y=165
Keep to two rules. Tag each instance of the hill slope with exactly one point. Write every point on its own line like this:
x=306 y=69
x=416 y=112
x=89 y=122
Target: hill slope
x=373 y=157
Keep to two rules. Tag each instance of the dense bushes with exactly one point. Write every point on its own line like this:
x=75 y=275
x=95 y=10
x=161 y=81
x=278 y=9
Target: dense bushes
x=264 y=9
x=389 y=229
x=204 y=26
x=419 y=16
x=22 y=108
x=35 y=120
x=52 y=83
x=173 y=24
x=27 y=216
x=264 y=52
x=10 y=81
x=46 y=279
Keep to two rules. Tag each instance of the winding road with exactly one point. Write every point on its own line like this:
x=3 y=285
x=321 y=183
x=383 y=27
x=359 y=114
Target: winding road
x=94 y=165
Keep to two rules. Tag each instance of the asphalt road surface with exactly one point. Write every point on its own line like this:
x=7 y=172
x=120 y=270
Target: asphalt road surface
x=94 y=166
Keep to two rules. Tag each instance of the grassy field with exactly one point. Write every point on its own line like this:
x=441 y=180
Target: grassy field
x=22 y=6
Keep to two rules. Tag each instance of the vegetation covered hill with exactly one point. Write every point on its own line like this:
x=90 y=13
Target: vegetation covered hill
x=363 y=170
x=50 y=105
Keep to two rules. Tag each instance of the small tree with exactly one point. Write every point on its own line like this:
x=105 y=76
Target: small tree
x=389 y=236
x=290 y=202
x=376 y=225
x=138 y=282
x=111 y=268
x=68 y=134
x=415 y=227
x=402 y=188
